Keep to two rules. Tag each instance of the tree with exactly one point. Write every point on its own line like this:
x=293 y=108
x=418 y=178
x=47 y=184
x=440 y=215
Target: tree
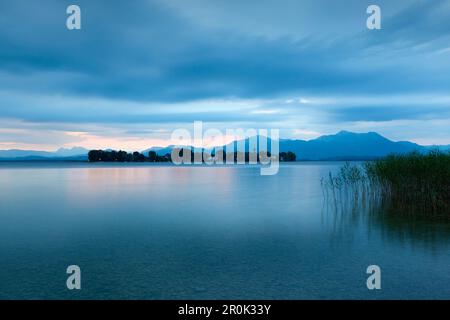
x=152 y=156
x=291 y=156
x=287 y=156
x=122 y=156
x=95 y=155
x=138 y=157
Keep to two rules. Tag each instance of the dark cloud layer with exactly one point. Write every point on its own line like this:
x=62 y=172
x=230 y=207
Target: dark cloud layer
x=151 y=54
x=144 y=50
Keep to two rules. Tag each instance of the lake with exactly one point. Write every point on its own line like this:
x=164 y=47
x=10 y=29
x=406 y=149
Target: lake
x=142 y=231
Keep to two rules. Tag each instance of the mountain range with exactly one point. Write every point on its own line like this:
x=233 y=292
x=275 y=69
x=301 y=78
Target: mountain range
x=76 y=153
x=348 y=145
x=344 y=145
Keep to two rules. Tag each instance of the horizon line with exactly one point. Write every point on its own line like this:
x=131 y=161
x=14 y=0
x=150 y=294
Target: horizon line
x=213 y=146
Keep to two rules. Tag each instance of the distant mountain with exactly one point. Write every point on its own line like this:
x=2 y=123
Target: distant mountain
x=14 y=153
x=348 y=145
x=160 y=151
x=39 y=158
x=75 y=151
x=344 y=145
x=60 y=154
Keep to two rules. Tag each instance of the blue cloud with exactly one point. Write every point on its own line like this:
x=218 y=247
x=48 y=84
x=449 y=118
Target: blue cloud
x=146 y=51
x=156 y=53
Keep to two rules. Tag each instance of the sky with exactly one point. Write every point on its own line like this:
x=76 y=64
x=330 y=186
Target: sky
x=139 y=69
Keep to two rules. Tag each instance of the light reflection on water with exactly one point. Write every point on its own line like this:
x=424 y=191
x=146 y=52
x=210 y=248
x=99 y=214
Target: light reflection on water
x=156 y=232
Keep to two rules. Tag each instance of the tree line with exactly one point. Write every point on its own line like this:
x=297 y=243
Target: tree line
x=123 y=156
x=152 y=156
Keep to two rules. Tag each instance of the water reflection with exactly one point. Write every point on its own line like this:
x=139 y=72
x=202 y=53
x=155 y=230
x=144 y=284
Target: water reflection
x=344 y=212
x=151 y=232
x=430 y=234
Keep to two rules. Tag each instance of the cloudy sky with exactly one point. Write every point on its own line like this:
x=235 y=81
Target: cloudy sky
x=139 y=69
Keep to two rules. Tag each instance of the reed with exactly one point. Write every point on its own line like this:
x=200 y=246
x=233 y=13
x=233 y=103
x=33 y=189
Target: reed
x=414 y=183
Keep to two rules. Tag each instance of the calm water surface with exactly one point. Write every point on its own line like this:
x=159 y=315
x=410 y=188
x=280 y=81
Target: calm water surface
x=163 y=232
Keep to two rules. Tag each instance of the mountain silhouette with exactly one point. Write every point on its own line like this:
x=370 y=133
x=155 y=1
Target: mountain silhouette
x=343 y=145
x=348 y=145
x=76 y=153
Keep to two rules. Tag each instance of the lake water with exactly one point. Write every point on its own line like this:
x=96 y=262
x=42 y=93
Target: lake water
x=164 y=232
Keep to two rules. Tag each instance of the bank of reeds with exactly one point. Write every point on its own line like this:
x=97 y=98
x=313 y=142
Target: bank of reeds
x=415 y=183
